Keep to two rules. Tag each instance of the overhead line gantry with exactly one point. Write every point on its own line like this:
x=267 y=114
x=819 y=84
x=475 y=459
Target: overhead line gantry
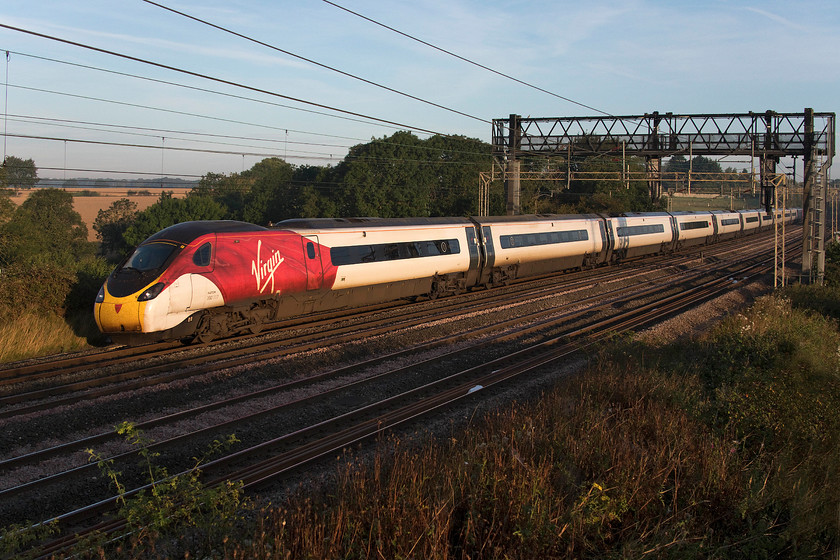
x=768 y=136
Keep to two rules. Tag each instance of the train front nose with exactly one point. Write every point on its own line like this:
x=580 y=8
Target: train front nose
x=117 y=315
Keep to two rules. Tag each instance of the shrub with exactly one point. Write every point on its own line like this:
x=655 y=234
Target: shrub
x=174 y=503
x=40 y=288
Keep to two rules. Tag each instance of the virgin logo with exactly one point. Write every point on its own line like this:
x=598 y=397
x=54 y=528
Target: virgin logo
x=263 y=270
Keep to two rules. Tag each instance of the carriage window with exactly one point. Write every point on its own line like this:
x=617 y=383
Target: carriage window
x=310 y=250
x=694 y=225
x=549 y=238
x=356 y=254
x=203 y=254
x=627 y=231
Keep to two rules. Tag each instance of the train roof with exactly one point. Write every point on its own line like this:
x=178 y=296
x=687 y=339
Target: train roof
x=186 y=232
x=532 y=218
x=335 y=223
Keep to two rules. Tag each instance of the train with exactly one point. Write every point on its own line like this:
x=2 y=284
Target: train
x=203 y=280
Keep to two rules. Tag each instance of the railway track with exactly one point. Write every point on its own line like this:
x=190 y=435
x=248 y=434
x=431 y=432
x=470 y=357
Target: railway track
x=162 y=363
x=299 y=445
x=28 y=372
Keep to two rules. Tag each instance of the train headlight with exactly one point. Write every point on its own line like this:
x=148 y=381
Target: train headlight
x=100 y=297
x=151 y=293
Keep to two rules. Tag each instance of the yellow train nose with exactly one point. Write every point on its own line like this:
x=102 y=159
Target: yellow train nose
x=116 y=315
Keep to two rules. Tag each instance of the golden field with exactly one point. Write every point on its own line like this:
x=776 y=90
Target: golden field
x=89 y=206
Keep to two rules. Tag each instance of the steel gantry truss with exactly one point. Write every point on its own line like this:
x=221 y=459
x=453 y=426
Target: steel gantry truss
x=767 y=136
x=661 y=135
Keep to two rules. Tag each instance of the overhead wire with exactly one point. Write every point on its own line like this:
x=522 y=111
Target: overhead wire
x=204 y=90
x=169 y=133
x=176 y=84
x=322 y=157
x=462 y=58
x=316 y=63
x=209 y=117
x=104 y=51
x=210 y=78
x=171 y=111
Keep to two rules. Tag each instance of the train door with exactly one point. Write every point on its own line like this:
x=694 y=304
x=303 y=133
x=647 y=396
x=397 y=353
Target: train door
x=312 y=261
x=490 y=251
x=475 y=257
x=189 y=291
x=204 y=292
x=607 y=239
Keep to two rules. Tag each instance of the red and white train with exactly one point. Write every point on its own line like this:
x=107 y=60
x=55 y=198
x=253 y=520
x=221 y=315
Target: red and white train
x=210 y=279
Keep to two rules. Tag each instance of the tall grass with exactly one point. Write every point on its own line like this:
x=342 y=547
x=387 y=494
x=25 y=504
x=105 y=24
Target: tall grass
x=45 y=309
x=721 y=448
x=36 y=334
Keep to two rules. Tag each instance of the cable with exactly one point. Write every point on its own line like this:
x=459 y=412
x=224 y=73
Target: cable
x=169 y=137
x=467 y=60
x=211 y=78
x=221 y=152
x=23 y=118
x=173 y=111
x=205 y=90
x=79 y=170
x=176 y=84
x=343 y=73
x=127 y=145
x=221 y=119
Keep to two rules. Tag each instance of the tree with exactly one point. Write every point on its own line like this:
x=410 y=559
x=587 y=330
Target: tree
x=611 y=196
x=46 y=229
x=7 y=207
x=698 y=164
x=111 y=225
x=20 y=173
x=228 y=190
x=272 y=196
x=168 y=211
x=401 y=175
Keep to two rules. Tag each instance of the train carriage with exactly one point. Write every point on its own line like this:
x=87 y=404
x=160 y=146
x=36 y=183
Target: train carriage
x=727 y=224
x=528 y=245
x=766 y=220
x=693 y=228
x=751 y=220
x=639 y=234
x=378 y=259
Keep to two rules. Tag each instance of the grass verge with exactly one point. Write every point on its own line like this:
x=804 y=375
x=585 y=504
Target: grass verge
x=32 y=334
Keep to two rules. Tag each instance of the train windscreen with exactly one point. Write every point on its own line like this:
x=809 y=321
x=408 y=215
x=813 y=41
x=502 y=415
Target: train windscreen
x=144 y=265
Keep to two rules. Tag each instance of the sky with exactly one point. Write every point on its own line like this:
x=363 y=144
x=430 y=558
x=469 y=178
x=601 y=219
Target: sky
x=305 y=94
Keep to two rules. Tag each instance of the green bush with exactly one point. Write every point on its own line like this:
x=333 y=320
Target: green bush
x=88 y=280
x=41 y=288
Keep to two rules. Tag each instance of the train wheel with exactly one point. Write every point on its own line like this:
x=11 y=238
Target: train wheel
x=202 y=337
x=210 y=328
